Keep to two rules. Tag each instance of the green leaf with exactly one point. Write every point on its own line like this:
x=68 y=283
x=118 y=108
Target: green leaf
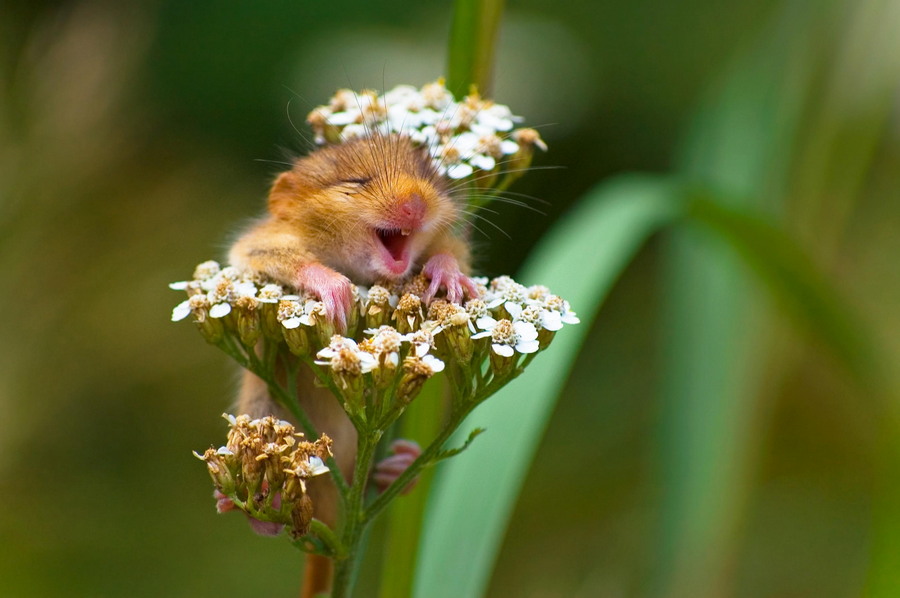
x=446 y=454
x=580 y=259
x=795 y=280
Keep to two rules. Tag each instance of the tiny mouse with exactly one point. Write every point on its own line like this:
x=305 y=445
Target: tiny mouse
x=370 y=209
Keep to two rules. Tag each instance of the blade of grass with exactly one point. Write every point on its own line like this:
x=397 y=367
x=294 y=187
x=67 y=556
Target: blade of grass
x=792 y=277
x=716 y=322
x=712 y=381
x=473 y=495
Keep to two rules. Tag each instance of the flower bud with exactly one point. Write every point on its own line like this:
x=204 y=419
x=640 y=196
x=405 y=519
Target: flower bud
x=268 y=298
x=527 y=139
x=501 y=365
x=377 y=309
x=220 y=470
x=416 y=370
x=210 y=328
x=301 y=517
x=297 y=339
x=248 y=324
x=408 y=314
x=322 y=324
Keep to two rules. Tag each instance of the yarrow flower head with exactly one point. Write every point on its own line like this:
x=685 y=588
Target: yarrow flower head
x=466 y=139
x=397 y=336
x=263 y=469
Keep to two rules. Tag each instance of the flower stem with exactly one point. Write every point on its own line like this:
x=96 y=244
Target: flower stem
x=422 y=420
x=471 y=47
x=354 y=523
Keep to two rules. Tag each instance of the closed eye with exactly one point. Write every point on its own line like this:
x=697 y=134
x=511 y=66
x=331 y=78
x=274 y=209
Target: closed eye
x=358 y=181
x=352 y=186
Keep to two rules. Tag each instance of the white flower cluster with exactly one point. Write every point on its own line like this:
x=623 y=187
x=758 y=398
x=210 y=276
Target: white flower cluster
x=528 y=311
x=463 y=137
x=392 y=336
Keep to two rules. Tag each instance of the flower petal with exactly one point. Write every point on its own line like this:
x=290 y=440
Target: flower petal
x=220 y=310
x=181 y=311
x=528 y=346
x=504 y=350
x=551 y=320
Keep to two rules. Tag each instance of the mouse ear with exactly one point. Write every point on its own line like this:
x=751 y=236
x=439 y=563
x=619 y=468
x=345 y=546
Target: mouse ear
x=283 y=193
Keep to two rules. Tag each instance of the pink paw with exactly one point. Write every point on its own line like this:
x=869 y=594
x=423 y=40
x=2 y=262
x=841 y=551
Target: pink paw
x=332 y=288
x=263 y=528
x=443 y=270
x=404 y=452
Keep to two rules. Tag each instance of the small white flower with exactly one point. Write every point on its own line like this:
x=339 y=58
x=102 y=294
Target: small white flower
x=422 y=340
x=344 y=355
x=437 y=96
x=509 y=337
x=270 y=293
x=561 y=306
x=378 y=296
x=386 y=343
x=538 y=292
x=507 y=293
x=206 y=270
x=316 y=466
x=290 y=312
x=478 y=313
x=536 y=313
x=313 y=311
x=497 y=117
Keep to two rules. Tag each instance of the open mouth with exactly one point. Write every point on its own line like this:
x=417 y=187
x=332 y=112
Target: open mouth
x=395 y=245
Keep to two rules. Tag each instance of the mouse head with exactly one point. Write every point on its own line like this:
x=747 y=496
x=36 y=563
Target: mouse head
x=368 y=207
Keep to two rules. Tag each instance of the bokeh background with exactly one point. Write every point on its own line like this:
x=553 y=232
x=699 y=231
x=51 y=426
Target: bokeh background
x=706 y=445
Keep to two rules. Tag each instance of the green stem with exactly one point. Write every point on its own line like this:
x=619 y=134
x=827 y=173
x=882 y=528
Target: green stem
x=425 y=459
x=354 y=524
x=328 y=537
x=471 y=48
x=421 y=421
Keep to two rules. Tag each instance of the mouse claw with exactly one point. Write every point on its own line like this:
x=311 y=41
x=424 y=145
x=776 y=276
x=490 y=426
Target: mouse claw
x=333 y=289
x=386 y=472
x=443 y=270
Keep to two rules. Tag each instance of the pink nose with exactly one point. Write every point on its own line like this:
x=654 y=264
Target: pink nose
x=410 y=212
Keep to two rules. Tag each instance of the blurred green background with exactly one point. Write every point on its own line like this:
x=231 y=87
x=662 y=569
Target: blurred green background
x=710 y=441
